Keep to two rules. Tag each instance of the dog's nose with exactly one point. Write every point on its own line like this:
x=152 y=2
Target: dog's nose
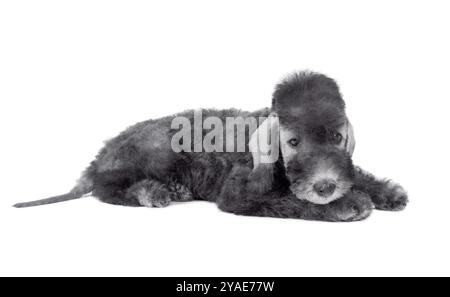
x=324 y=188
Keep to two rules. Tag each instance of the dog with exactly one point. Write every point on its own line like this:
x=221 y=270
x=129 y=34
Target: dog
x=309 y=174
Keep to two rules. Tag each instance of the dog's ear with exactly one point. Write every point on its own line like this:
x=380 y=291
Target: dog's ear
x=349 y=138
x=265 y=149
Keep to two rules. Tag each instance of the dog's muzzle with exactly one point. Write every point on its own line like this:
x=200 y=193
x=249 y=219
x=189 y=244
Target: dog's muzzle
x=321 y=176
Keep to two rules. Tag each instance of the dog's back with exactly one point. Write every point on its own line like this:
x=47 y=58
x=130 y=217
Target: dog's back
x=156 y=150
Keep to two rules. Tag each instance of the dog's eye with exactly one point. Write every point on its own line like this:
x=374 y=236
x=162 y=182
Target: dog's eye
x=293 y=142
x=337 y=138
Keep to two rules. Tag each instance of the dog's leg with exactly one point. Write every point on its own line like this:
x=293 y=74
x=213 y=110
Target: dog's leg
x=385 y=194
x=127 y=187
x=354 y=206
x=111 y=187
x=152 y=193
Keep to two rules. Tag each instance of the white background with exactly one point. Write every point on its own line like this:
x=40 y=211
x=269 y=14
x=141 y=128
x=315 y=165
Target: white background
x=75 y=73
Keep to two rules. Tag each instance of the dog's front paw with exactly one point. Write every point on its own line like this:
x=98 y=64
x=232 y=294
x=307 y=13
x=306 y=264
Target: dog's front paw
x=150 y=194
x=391 y=197
x=354 y=206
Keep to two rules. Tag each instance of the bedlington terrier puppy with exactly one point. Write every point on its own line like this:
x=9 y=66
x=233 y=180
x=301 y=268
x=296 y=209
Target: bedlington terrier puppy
x=292 y=160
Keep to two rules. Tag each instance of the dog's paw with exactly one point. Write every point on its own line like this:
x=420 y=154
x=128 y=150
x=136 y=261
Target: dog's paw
x=180 y=192
x=391 y=197
x=354 y=206
x=150 y=194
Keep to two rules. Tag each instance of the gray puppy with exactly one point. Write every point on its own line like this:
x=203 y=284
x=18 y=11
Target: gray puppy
x=312 y=176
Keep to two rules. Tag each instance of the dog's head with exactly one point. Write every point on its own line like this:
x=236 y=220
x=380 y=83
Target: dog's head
x=314 y=137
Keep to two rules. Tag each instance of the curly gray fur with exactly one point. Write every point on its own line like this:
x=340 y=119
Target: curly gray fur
x=139 y=168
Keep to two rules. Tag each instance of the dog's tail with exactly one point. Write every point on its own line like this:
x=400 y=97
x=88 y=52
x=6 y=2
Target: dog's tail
x=84 y=186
